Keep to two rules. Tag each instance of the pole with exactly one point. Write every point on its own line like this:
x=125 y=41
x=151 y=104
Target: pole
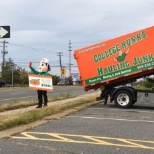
x=70 y=49
x=12 y=76
x=3 y=52
x=60 y=54
x=3 y=63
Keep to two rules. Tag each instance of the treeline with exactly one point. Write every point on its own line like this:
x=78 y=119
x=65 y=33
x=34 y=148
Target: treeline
x=16 y=75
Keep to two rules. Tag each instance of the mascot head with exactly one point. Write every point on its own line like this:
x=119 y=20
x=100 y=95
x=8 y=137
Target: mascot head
x=44 y=65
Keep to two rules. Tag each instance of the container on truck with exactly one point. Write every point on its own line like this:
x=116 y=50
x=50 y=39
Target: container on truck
x=109 y=64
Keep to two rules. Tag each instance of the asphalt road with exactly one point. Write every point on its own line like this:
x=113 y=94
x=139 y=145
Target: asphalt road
x=98 y=129
x=24 y=94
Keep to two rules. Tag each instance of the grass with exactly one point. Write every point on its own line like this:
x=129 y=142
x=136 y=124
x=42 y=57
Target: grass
x=24 y=104
x=143 y=88
x=9 y=121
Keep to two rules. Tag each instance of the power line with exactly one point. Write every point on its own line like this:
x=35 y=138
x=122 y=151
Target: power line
x=26 y=47
x=31 y=48
x=23 y=62
x=88 y=42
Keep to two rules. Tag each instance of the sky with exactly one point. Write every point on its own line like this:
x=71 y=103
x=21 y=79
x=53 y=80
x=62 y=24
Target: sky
x=42 y=28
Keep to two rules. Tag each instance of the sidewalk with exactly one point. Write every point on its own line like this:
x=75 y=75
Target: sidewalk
x=22 y=110
x=16 y=130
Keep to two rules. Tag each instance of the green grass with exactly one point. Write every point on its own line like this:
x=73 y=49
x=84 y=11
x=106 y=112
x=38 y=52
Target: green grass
x=24 y=104
x=142 y=88
x=9 y=121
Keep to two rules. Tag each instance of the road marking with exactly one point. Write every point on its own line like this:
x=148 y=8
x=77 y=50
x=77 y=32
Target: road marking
x=18 y=93
x=15 y=98
x=67 y=92
x=96 y=118
x=146 y=111
x=84 y=139
x=60 y=137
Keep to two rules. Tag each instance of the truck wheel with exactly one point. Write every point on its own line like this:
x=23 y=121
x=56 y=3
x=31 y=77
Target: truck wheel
x=123 y=99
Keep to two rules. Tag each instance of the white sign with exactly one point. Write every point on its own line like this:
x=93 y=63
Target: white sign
x=37 y=82
x=75 y=76
x=4 y=31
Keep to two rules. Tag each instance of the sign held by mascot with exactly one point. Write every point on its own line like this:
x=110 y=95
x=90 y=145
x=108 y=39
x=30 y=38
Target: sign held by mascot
x=37 y=82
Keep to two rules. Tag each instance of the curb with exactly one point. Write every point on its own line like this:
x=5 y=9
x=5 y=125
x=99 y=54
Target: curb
x=50 y=104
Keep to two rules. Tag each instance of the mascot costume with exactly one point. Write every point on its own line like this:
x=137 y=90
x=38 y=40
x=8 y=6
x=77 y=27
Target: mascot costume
x=43 y=69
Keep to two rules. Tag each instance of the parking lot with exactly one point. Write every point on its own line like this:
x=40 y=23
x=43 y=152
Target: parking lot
x=95 y=130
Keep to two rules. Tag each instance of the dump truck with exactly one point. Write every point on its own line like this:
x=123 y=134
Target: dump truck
x=110 y=65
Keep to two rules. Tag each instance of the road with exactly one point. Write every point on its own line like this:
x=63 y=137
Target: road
x=24 y=94
x=97 y=129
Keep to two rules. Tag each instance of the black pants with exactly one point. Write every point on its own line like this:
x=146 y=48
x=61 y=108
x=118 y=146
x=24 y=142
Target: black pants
x=42 y=94
x=106 y=93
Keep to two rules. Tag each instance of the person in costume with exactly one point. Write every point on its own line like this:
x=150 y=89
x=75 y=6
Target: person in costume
x=43 y=70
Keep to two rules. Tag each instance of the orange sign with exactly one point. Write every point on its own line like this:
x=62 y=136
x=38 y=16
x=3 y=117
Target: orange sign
x=63 y=71
x=37 y=82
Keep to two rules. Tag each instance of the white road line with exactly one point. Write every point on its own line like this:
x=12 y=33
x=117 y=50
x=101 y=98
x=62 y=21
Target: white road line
x=15 y=98
x=121 y=110
x=63 y=92
x=18 y=93
x=33 y=96
x=114 y=119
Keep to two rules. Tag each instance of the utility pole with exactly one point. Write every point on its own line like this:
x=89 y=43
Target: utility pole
x=60 y=54
x=70 y=49
x=3 y=54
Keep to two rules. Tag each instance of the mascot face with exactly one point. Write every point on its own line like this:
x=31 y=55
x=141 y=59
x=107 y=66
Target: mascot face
x=44 y=65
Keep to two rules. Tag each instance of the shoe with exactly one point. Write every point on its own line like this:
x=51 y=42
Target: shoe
x=45 y=105
x=39 y=106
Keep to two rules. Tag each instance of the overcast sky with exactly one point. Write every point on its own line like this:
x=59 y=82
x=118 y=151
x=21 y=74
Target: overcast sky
x=41 y=28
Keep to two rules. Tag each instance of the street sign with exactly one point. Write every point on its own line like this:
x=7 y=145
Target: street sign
x=75 y=76
x=63 y=71
x=4 y=31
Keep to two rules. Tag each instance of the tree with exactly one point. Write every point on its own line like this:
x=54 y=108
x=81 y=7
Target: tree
x=70 y=80
x=14 y=74
x=9 y=66
x=23 y=76
x=17 y=75
x=148 y=84
x=55 y=79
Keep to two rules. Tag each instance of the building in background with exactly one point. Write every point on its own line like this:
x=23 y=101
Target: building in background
x=76 y=78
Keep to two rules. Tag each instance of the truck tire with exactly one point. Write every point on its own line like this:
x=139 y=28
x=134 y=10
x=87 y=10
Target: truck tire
x=123 y=99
